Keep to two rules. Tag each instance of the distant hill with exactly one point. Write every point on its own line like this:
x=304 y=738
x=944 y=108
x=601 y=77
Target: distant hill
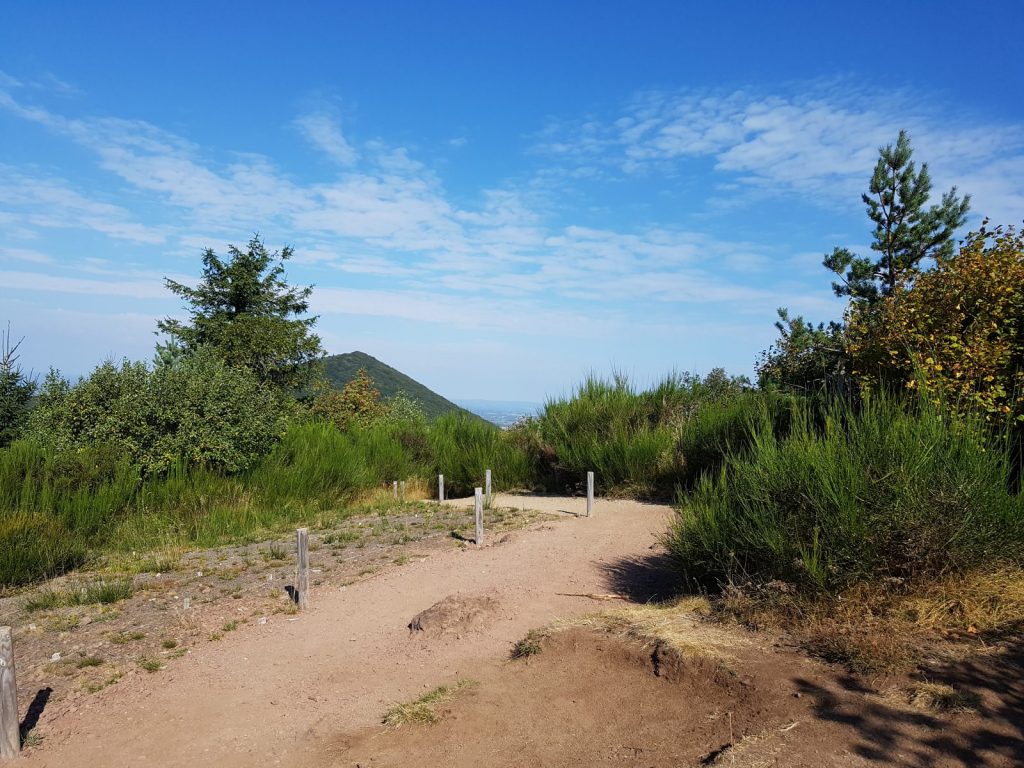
x=341 y=369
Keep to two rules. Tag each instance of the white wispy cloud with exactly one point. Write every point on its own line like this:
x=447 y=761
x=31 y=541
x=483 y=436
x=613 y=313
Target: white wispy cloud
x=819 y=141
x=26 y=254
x=324 y=132
x=52 y=203
x=45 y=282
x=502 y=264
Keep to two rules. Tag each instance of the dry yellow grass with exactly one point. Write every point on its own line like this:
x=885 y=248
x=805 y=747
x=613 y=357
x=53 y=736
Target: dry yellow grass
x=974 y=603
x=937 y=697
x=891 y=626
x=676 y=625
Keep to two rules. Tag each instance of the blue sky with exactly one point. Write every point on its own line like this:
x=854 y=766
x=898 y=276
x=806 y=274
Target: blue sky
x=495 y=200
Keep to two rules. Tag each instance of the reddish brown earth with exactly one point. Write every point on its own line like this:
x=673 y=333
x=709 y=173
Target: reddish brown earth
x=589 y=699
x=311 y=689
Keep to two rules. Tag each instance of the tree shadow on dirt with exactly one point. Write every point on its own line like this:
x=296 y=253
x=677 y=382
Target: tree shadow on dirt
x=896 y=735
x=646 y=579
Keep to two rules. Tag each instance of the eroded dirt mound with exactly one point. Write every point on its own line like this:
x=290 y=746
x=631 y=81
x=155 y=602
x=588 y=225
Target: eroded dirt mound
x=592 y=699
x=586 y=699
x=455 y=615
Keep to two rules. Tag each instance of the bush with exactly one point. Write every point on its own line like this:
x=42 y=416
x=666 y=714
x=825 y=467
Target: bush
x=85 y=489
x=883 y=491
x=200 y=411
x=959 y=329
x=213 y=415
x=34 y=547
x=464 y=447
x=645 y=443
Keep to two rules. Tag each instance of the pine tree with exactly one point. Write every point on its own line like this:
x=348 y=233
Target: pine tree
x=16 y=391
x=245 y=310
x=905 y=231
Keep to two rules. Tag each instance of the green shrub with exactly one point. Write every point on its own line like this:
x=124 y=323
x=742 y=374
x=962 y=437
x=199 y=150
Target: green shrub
x=886 y=490
x=33 y=547
x=84 y=489
x=644 y=443
x=464 y=448
x=200 y=411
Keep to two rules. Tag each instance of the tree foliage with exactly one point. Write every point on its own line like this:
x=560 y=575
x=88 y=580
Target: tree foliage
x=806 y=357
x=16 y=390
x=358 y=402
x=905 y=233
x=960 y=328
x=245 y=310
x=202 y=411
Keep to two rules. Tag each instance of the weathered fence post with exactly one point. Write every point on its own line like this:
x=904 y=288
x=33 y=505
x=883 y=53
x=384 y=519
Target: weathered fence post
x=487 y=486
x=590 y=493
x=401 y=490
x=478 y=505
x=394 y=489
x=10 y=732
x=440 y=488
x=302 y=577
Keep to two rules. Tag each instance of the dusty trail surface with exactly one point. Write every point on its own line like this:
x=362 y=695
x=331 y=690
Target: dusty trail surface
x=271 y=695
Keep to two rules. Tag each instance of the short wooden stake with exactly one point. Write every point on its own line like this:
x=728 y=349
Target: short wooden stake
x=440 y=488
x=10 y=732
x=394 y=489
x=590 y=493
x=487 y=486
x=302 y=577
x=478 y=505
x=401 y=490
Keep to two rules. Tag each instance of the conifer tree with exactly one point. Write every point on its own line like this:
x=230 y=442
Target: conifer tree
x=16 y=390
x=244 y=309
x=906 y=232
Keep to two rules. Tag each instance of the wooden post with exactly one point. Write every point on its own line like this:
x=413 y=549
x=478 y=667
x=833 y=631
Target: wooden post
x=394 y=489
x=478 y=505
x=302 y=578
x=10 y=732
x=440 y=488
x=401 y=490
x=487 y=486
x=590 y=493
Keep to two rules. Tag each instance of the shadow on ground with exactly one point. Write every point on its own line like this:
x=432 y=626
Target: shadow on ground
x=882 y=731
x=885 y=734
x=35 y=709
x=647 y=579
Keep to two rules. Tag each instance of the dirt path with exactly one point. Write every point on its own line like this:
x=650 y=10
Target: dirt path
x=273 y=693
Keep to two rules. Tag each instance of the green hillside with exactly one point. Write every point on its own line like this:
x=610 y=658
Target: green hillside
x=340 y=369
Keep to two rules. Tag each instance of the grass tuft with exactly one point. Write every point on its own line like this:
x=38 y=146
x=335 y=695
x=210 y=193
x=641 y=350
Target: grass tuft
x=123 y=638
x=95 y=593
x=423 y=709
x=529 y=645
x=937 y=697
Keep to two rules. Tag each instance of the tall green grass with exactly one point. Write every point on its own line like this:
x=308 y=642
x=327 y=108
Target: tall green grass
x=57 y=508
x=882 y=490
x=646 y=443
x=463 y=448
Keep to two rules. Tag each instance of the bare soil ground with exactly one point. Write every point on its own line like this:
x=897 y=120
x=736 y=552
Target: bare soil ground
x=67 y=654
x=311 y=689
